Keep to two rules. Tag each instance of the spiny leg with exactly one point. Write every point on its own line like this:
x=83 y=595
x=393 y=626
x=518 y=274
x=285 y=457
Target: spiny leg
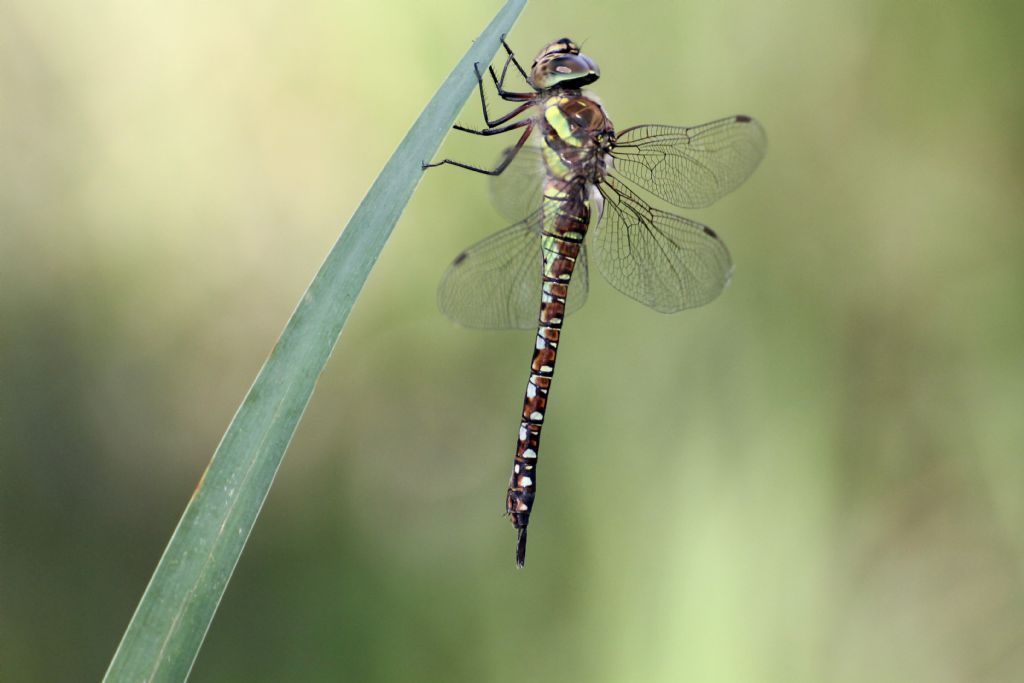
x=507 y=95
x=483 y=102
x=499 y=83
x=512 y=58
x=493 y=127
x=526 y=123
x=499 y=130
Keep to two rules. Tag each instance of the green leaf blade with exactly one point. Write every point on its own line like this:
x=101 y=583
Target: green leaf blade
x=172 y=619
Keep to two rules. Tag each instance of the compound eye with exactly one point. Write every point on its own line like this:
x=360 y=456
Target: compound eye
x=565 y=65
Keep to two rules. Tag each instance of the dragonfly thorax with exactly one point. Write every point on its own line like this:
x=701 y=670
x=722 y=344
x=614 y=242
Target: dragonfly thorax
x=577 y=135
x=560 y=65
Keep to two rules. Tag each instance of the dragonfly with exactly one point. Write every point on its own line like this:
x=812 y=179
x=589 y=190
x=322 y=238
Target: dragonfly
x=570 y=171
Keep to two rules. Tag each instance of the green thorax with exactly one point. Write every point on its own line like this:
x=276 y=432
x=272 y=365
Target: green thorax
x=576 y=134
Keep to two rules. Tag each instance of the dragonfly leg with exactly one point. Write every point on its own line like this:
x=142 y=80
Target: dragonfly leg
x=499 y=130
x=512 y=58
x=483 y=103
x=497 y=170
x=499 y=83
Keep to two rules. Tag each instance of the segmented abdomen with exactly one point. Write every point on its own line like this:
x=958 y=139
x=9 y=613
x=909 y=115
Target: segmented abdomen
x=567 y=217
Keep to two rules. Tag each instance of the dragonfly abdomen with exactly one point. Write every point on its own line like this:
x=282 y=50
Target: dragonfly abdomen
x=561 y=241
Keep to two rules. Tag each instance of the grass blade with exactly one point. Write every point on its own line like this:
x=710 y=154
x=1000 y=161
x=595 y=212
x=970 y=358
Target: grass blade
x=171 y=621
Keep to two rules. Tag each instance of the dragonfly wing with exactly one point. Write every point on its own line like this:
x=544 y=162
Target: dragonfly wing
x=579 y=285
x=690 y=167
x=662 y=260
x=496 y=283
x=518 y=190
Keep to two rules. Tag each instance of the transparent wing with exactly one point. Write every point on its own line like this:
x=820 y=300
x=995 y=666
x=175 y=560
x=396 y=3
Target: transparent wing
x=496 y=283
x=690 y=167
x=662 y=260
x=518 y=191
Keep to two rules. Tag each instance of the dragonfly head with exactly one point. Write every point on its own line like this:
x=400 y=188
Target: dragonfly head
x=561 y=65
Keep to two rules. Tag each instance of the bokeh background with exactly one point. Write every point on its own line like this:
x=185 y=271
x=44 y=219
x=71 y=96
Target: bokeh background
x=816 y=478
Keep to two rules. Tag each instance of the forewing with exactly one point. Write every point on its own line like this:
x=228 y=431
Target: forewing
x=496 y=283
x=690 y=167
x=664 y=261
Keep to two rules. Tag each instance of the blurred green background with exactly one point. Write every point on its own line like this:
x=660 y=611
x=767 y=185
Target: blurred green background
x=816 y=478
